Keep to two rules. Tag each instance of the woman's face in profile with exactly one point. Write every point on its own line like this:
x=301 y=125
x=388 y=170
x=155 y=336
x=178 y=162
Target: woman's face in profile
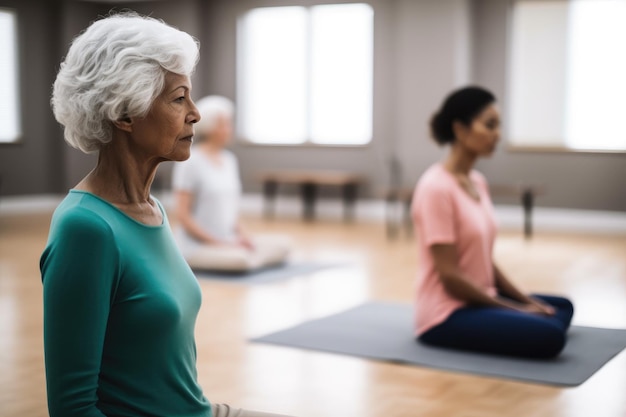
x=484 y=132
x=166 y=131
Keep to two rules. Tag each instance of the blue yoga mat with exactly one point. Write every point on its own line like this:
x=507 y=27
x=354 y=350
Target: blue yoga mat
x=384 y=331
x=269 y=274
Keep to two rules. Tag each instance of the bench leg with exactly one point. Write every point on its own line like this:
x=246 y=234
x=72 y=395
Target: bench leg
x=308 y=192
x=408 y=221
x=269 y=193
x=350 y=192
x=391 y=215
x=528 y=198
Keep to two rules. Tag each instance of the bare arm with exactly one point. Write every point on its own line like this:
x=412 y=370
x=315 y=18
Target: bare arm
x=184 y=200
x=508 y=289
x=459 y=286
x=244 y=237
x=456 y=283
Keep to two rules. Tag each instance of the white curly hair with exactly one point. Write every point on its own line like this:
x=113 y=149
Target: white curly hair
x=113 y=70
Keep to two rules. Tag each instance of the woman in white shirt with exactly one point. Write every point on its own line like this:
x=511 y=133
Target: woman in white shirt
x=207 y=190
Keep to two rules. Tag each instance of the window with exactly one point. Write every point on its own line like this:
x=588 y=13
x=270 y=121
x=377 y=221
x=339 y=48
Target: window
x=9 y=105
x=567 y=83
x=305 y=74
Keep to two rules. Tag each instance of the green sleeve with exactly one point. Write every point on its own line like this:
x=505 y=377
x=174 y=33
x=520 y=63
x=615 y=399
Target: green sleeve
x=79 y=270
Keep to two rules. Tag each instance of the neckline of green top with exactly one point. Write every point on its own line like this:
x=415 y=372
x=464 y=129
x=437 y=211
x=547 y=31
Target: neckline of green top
x=149 y=226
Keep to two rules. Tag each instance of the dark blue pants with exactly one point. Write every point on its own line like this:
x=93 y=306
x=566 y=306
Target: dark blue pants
x=505 y=332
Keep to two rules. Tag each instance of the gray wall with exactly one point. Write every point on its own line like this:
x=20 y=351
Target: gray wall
x=76 y=16
x=422 y=50
x=35 y=165
x=432 y=53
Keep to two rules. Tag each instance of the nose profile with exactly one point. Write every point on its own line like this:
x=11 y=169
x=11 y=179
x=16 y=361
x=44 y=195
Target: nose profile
x=194 y=114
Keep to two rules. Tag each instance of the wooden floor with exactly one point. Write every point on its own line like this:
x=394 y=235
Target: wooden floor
x=589 y=269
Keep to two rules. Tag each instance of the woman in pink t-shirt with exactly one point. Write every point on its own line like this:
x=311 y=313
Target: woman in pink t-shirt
x=463 y=300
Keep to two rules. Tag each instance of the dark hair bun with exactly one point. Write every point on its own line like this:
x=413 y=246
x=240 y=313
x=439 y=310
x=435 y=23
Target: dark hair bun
x=461 y=105
x=441 y=129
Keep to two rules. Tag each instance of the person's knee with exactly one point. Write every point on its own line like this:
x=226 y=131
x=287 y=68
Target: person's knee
x=561 y=303
x=269 y=254
x=565 y=311
x=221 y=259
x=549 y=343
x=568 y=306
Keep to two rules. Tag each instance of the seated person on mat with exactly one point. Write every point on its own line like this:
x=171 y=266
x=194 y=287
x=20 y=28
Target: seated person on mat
x=463 y=300
x=207 y=192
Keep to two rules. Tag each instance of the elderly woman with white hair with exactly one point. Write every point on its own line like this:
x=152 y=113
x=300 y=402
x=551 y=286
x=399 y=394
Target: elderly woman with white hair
x=207 y=191
x=120 y=302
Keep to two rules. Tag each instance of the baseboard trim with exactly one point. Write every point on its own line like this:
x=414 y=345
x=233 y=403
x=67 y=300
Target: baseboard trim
x=31 y=204
x=509 y=217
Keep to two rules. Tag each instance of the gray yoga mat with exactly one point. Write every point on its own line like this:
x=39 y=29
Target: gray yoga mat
x=383 y=331
x=269 y=274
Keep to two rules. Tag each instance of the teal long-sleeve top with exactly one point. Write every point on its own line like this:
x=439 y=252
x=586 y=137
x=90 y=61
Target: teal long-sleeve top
x=120 y=305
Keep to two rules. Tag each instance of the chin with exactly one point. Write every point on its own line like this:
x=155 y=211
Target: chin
x=183 y=157
x=180 y=155
x=489 y=153
x=182 y=152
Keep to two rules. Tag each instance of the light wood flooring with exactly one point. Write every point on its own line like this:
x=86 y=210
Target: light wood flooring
x=591 y=270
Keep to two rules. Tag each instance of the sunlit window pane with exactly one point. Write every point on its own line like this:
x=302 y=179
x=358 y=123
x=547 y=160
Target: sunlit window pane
x=9 y=104
x=341 y=74
x=305 y=74
x=272 y=65
x=272 y=83
x=597 y=77
x=537 y=69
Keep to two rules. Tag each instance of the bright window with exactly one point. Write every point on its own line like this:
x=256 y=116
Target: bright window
x=567 y=82
x=9 y=104
x=305 y=74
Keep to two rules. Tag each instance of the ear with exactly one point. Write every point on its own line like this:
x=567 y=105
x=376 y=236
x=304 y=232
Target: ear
x=124 y=123
x=460 y=129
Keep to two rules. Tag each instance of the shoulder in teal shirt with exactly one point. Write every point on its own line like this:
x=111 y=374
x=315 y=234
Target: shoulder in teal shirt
x=120 y=305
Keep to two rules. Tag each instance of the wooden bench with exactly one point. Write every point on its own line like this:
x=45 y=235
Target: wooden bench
x=309 y=182
x=404 y=197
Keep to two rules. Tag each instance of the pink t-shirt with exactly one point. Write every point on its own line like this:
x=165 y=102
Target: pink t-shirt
x=444 y=213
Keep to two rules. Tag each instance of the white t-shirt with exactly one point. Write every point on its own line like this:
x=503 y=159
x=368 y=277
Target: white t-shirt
x=216 y=191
